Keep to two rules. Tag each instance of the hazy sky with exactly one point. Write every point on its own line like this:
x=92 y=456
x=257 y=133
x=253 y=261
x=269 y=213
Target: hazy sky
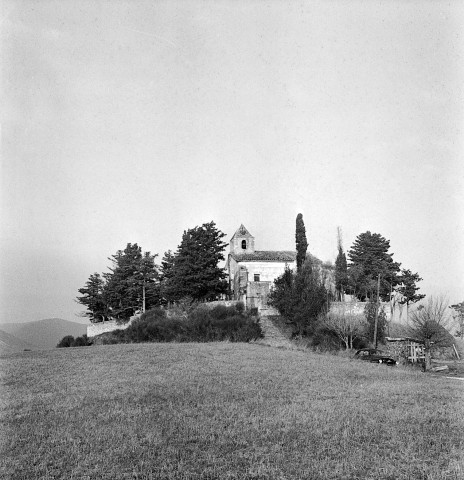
x=133 y=121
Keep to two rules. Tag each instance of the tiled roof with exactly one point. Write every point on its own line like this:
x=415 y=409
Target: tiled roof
x=265 y=256
x=242 y=232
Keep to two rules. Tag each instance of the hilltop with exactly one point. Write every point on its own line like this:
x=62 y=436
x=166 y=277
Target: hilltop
x=223 y=410
x=44 y=334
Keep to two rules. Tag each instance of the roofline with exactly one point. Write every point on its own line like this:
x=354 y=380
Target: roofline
x=260 y=260
x=402 y=339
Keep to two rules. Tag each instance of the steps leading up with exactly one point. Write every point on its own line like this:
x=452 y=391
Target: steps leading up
x=274 y=335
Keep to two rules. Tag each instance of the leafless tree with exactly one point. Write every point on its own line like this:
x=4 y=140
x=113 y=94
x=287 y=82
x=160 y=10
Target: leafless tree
x=347 y=325
x=429 y=324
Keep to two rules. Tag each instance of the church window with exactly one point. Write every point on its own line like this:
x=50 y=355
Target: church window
x=244 y=244
x=256 y=277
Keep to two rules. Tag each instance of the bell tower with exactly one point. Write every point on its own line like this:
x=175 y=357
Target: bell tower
x=242 y=241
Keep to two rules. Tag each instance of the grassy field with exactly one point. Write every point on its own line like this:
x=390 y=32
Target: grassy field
x=224 y=411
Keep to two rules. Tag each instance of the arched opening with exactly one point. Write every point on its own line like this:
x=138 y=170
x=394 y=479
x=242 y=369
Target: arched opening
x=244 y=244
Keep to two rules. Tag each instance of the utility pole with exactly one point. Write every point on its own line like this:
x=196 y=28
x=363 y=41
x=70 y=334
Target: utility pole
x=143 y=305
x=376 y=312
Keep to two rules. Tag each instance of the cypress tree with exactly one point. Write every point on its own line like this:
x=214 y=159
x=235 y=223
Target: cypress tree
x=341 y=268
x=301 y=242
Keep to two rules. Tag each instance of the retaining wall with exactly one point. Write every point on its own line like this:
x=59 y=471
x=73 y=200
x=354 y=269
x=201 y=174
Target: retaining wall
x=95 y=329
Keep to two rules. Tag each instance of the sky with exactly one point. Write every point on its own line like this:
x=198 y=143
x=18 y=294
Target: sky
x=133 y=121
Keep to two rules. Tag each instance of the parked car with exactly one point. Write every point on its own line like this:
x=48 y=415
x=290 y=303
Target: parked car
x=374 y=356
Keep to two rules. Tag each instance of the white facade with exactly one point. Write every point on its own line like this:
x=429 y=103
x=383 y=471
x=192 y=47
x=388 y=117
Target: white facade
x=267 y=271
x=252 y=272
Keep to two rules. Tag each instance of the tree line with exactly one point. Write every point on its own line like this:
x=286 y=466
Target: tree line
x=136 y=283
x=369 y=274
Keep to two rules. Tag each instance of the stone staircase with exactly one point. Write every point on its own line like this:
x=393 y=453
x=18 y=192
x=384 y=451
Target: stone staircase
x=275 y=335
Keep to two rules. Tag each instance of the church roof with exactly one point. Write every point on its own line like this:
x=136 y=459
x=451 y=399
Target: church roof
x=242 y=232
x=265 y=256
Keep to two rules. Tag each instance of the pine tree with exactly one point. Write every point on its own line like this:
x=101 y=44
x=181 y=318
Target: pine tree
x=301 y=242
x=132 y=278
x=167 y=264
x=148 y=280
x=408 y=288
x=369 y=258
x=93 y=298
x=195 y=272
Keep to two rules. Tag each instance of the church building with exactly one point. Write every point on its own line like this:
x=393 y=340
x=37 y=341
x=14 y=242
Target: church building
x=252 y=272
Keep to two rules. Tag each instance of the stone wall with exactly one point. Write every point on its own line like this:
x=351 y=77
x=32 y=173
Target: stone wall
x=225 y=303
x=95 y=329
x=357 y=308
x=395 y=313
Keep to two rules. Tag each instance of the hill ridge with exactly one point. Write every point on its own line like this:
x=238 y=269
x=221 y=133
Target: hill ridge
x=45 y=333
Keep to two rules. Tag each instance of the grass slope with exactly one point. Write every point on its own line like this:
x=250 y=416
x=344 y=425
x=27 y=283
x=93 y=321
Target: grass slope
x=10 y=344
x=224 y=411
x=45 y=333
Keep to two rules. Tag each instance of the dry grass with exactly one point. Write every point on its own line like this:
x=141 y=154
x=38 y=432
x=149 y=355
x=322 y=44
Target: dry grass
x=224 y=411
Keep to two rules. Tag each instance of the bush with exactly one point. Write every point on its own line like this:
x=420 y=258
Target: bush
x=325 y=340
x=81 y=341
x=202 y=325
x=66 y=342
x=155 y=329
x=70 y=341
x=111 y=338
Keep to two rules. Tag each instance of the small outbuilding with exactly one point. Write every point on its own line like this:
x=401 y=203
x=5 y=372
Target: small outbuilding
x=406 y=348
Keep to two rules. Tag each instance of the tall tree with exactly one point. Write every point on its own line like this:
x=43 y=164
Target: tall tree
x=93 y=298
x=300 y=297
x=371 y=310
x=195 y=272
x=281 y=296
x=341 y=269
x=167 y=263
x=369 y=258
x=148 y=281
x=301 y=242
x=311 y=297
x=132 y=276
x=408 y=288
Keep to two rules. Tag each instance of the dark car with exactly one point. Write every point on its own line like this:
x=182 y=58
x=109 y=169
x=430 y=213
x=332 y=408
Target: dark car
x=374 y=356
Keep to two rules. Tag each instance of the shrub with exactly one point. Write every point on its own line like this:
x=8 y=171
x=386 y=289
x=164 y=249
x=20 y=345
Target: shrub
x=202 y=325
x=70 y=341
x=155 y=329
x=325 y=340
x=82 y=341
x=66 y=341
x=240 y=307
x=111 y=338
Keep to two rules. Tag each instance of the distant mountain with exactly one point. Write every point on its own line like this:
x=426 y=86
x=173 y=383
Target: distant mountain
x=45 y=334
x=11 y=344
